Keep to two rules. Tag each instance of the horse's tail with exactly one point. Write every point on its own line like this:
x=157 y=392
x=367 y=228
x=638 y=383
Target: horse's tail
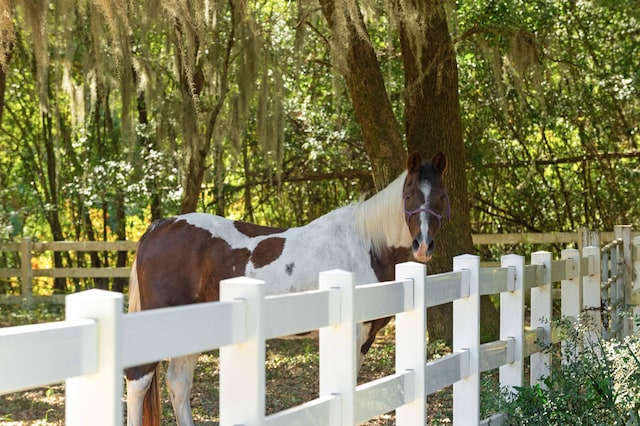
x=134 y=290
x=151 y=406
x=151 y=409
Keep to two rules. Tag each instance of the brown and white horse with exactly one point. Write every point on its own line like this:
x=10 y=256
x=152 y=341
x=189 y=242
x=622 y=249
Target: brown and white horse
x=181 y=260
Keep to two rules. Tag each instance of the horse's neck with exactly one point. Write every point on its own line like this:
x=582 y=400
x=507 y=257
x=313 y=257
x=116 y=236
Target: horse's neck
x=380 y=219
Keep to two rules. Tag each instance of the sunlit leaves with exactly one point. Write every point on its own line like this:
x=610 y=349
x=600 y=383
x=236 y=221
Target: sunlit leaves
x=540 y=136
x=547 y=88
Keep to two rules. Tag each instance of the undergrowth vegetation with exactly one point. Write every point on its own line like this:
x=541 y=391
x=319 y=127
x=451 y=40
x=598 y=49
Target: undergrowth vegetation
x=592 y=382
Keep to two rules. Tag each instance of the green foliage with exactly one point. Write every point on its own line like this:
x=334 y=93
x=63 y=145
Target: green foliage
x=551 y=113
x=550 y=103
x=12 y=315
x=600 y=385
x=285 y=148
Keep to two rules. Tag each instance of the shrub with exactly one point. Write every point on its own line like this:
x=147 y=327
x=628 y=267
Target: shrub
x=595 y=382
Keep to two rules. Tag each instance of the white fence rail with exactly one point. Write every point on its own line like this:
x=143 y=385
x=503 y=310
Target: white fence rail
x=97 y=340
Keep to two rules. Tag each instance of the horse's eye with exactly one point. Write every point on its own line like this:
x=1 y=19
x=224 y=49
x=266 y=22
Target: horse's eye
x=443 y=197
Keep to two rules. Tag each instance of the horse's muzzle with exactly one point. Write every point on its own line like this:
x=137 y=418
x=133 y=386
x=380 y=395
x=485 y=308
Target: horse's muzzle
x=423 y=248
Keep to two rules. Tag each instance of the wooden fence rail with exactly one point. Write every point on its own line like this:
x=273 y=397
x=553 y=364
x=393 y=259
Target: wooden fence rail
x=26 y=273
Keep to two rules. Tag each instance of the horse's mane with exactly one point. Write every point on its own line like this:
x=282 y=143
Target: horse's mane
x=380 y=219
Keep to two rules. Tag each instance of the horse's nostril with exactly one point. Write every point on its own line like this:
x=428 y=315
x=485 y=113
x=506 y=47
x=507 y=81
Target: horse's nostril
x=431 y=247
x=416 y=241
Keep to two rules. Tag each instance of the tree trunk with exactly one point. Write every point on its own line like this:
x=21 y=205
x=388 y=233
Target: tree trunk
x=96 y=261
x=363 y=76
x=3 y=79
x=121 y=232
x=200 y=143
x=6 y=49
x=432 y=120
x=432 y=123
x=196 y=165
x=147 y=145
x=51 y=197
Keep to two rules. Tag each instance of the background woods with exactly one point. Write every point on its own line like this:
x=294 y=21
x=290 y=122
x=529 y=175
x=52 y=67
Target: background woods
x=115 y=113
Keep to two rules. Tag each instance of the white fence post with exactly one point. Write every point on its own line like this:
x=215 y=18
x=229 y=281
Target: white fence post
x=570 y=288
x=338 y=351
x=512 y=321
x=591 y=294
x=571 y=293
x=242 y=366
x=636 y=278
x=411 y=330
x=624 y=232
x=541 y=315
x=96 y=399
x=466 y=336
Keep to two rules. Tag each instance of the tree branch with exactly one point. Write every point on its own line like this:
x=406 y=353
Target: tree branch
x=565 y=160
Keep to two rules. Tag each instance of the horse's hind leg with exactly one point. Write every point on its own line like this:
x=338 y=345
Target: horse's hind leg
x=179 y=382
x=136 y=391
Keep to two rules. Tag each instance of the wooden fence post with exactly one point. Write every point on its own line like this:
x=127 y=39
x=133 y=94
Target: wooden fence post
x=26 y=273
x=338 y=351
x=512 y=322
x=242 y=366
x=466 y=336
x=541 y=315
x=411 y=331
x=96 y=399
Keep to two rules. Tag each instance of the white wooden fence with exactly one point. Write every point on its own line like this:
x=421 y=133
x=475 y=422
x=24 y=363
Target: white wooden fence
x=97 y=340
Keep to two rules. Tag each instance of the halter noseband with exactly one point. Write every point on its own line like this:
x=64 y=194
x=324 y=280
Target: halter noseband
x=428 y=210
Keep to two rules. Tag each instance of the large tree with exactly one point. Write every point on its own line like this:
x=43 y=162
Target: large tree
x=432 y=120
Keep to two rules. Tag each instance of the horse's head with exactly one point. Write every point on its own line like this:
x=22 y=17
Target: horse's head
x=425 y=202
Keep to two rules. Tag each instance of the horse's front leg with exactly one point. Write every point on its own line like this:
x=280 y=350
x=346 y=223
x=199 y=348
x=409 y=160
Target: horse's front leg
x=366 y=334
x=179 y=382
x=362 y=335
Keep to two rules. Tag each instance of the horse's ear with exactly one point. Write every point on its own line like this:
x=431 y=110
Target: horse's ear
x=439 y=162
x=414 y=161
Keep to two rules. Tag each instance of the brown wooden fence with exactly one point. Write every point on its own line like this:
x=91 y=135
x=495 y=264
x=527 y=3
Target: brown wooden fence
x=27 y=249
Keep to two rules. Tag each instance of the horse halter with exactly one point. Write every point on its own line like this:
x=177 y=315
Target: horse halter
x=428 y=210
